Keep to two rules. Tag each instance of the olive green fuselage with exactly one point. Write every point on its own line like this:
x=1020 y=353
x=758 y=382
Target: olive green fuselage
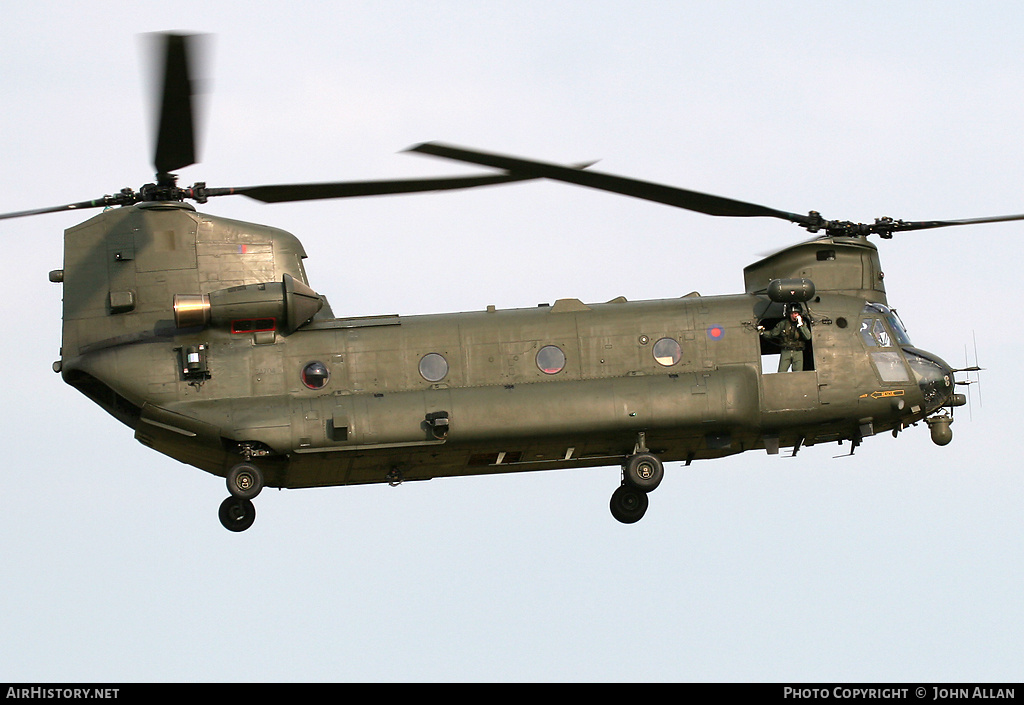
x=338 y=401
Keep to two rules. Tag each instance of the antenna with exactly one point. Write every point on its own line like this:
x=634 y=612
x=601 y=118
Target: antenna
x=970 y=381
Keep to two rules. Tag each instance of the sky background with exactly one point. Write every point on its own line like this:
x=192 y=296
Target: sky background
x=901 y=563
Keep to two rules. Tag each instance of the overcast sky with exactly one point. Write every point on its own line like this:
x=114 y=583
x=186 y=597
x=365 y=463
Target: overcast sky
x=902 y=563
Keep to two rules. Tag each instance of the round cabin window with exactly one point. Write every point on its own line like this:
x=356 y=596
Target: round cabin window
x=315 y=375
x=667 y=352
x=433 y=367
x=550 y=359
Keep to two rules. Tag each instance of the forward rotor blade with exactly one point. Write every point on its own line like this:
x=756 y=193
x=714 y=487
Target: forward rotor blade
x=668 y=195
x=690 y=200
x=175 y=135
x=283 y=193
x=928 y=224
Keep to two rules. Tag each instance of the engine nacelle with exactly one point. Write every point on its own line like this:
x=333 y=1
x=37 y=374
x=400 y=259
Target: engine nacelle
x=284 y=305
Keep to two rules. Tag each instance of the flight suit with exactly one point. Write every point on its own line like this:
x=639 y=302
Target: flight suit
x=792 y=338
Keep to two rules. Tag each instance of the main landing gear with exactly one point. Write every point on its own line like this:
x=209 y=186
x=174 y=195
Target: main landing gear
x=642 y=473
x=237 y=512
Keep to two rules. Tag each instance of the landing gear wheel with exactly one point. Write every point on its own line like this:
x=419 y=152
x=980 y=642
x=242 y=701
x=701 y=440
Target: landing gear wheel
x=643 y=471
x=237 y=514
x=245 y=481
x=628 y=504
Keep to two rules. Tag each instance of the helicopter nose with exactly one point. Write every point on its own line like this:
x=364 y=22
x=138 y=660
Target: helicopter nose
x=934 y=377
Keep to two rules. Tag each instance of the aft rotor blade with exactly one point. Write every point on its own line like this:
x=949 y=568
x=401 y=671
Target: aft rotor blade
x=283 y=193
x=669 y=195
x=175 y=135
x=81 y=205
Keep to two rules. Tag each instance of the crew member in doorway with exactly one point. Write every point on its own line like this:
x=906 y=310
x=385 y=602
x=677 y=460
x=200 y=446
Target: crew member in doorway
x=792 y=335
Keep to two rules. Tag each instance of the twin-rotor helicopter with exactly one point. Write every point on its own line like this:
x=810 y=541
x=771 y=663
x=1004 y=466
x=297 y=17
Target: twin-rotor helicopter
x=204 y=336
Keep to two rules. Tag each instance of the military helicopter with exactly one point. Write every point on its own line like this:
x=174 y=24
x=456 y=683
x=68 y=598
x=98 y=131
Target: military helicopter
x=204 y=336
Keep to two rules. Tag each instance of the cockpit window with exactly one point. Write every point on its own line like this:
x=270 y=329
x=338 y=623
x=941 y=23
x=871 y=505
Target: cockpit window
x=897 y=329
x=890 y=364
x=873 y=331
x=890 y=367
x=865 y=331
x=880 y=334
